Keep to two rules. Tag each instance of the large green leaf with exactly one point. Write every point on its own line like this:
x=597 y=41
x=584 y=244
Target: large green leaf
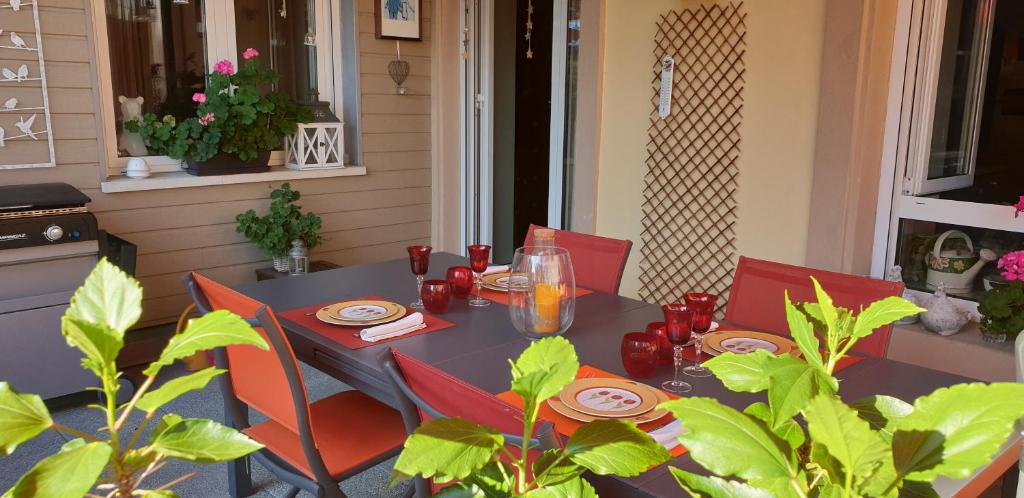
x=109 y=297
x=69 y=473
x=212 y=330
x=829 y=315
x=955 y=430
x=176 y=387
x=715 y=487
x=730 y=443
x=882 y=413
x=789 y=431
x=22 y=417
x=803 y=333
x=614 y=447
x=914 y=489
x=99 y=343
x=793 y=384
x=489 y=482
x=745 y=373
x=544 y=368
x=554 y=466
x=573 y=488
x=882 y=313
x=848 y=438
x=450 y=447
x=203 y=441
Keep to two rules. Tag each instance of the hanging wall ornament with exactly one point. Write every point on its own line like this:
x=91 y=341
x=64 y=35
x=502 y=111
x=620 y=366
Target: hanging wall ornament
x=25 y=140
x=529 y=29
x=399 y=70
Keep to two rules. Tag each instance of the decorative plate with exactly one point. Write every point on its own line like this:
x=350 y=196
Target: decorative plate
x=324 y=316
x=655 y=414
x=362 y=311
x=608 y=398
x=743 y=342
x=501 y=281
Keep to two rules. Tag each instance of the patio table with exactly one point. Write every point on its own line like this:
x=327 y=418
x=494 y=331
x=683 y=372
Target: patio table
x=475 y=351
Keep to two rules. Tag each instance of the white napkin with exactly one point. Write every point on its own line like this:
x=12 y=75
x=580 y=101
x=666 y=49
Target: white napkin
x=497 y=269
x=408 y=324
x=666 y=435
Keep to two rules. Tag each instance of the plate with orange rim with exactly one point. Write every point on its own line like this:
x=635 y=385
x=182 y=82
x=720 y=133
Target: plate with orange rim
x=608 y=398
x=745 y=342
x=557 y=405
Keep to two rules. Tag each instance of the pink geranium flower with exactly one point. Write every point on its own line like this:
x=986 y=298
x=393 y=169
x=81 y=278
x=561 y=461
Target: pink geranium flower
x=1018 y=207
x=199 y=97
x=1012 y=265
x=250 y=53
x=207 y=119
x=224 y=67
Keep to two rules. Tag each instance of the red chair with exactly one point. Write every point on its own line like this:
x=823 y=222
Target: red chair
x=598 y=262
x=311 y=446
x=756 y=298
x=425 y=393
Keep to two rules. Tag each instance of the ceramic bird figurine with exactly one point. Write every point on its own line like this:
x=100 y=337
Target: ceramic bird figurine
x=26 y=126
x=17 y=41
x=943 y=316
x=16 y=5
x=9 y=75
x=11 y=103
x=23 y=72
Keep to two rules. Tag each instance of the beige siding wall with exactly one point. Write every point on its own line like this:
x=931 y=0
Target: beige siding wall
x=367 y=218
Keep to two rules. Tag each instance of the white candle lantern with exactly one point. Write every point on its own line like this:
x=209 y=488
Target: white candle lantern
x=316 y=146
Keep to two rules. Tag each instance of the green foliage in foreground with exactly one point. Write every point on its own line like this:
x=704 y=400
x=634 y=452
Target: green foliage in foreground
x=101 y=312
x=874 y=447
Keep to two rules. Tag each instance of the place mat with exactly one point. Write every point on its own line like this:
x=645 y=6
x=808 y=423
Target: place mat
x=502 y=297
x=567 y=426
x=343 y=334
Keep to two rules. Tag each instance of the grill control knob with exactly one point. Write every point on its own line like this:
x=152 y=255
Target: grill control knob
x=53 y=233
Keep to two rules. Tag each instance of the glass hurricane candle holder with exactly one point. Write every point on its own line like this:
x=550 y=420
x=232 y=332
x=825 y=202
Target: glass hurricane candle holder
x=639 y=354
x=664 y=346
x=436 y=295
x=542 y=291
x=460 y=279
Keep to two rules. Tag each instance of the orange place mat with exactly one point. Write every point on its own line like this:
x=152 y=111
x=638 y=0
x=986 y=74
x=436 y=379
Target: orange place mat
x=344 y=335
x=502 y=297
x=567 y=426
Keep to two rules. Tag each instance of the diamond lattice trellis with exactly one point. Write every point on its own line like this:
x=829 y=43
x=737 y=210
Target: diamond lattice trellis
x=689 y=204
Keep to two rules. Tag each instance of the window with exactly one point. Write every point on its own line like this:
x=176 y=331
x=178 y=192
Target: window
x=161 y=50
x=961 y=137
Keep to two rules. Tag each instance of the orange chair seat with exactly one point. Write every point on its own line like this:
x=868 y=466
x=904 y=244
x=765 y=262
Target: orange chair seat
x=351 y=429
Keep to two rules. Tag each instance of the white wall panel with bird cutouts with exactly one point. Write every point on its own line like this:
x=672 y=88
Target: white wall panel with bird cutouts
x=25 y=138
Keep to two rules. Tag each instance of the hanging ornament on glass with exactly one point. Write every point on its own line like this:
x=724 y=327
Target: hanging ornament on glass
x=399 y=70
x=529 y=29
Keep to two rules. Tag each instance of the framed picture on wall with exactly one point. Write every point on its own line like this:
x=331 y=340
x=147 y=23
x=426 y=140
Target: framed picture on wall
x=398 y=19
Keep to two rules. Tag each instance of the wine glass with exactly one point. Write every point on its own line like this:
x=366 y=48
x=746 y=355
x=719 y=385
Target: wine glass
x=479 y=256
x=419 y=260
x=678 y=321
x=702 y=305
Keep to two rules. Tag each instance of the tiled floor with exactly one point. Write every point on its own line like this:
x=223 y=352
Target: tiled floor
x=210 y=480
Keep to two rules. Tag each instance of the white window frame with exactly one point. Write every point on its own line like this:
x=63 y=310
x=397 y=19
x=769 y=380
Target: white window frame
x=906 y=144
x=329 y=70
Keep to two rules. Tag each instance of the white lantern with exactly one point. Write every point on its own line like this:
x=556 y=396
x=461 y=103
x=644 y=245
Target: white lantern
x=316 y=146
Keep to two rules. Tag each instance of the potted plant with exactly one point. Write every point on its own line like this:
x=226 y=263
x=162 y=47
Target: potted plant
x=283 y=223
x=120 y=462
x=1002 y=306
x=235 y=125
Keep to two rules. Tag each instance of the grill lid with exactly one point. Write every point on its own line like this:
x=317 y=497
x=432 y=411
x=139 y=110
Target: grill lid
x=40 y=196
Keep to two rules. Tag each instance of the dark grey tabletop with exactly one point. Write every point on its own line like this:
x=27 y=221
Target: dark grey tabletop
x=475 y=349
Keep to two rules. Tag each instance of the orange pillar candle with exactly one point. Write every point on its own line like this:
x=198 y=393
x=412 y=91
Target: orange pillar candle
x=547 y=301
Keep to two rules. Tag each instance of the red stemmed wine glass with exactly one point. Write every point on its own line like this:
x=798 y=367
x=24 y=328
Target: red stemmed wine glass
x=419 y=260
x=479 y=257
x=436 y=295
x=678 y=323
x=702 y=305
x=460 y=279
x=639 y=354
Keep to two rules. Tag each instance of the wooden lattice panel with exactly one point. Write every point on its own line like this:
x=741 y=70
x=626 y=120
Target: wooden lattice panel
x=689 y=207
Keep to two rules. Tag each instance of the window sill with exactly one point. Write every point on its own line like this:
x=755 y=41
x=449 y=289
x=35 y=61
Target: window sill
x=181 y=179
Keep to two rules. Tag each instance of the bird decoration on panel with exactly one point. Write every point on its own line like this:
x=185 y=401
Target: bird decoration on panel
x=2 y=133
x=26 y=126
x=12 y=103
x=18 y=41
x=15 y=5
x=21 y=75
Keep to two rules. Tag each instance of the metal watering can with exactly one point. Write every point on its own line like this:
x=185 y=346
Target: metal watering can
x=956 y=268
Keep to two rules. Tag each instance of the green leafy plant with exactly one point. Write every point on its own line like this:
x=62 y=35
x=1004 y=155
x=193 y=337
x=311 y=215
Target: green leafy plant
x=455 y=449
x=1002 y=309
x=879 y=446
x=116 y=465
x=284 y=223
x=233 y=116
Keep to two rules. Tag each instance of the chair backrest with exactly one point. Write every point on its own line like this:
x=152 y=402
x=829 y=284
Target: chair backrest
x=597 y=262
x=756 y=298
x=260 y=378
